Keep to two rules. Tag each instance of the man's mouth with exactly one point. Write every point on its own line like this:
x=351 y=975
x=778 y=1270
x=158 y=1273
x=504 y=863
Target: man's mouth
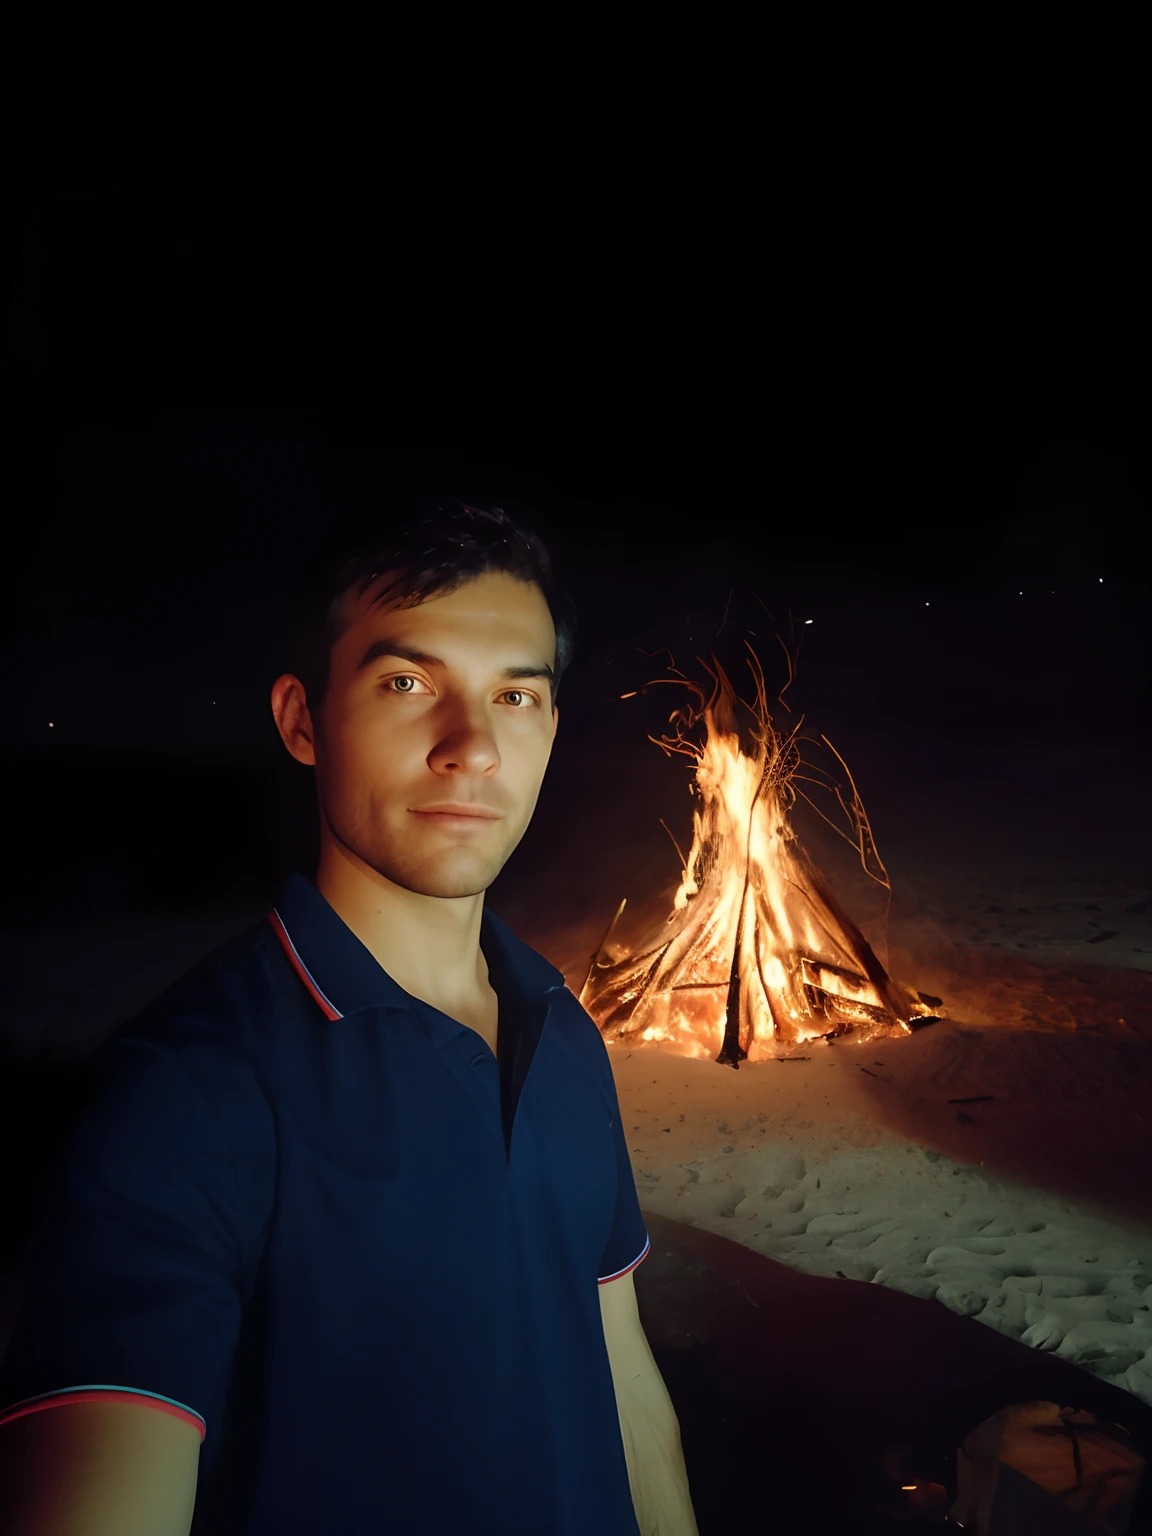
x=457 y=814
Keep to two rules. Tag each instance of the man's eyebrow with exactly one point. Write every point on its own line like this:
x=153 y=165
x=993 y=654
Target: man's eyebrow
x=380 y=648
x=394 y=648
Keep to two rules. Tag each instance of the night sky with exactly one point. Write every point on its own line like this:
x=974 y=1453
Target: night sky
x=891 y=388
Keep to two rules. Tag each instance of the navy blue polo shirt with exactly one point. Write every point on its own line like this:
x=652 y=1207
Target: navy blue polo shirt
x=320 y=1221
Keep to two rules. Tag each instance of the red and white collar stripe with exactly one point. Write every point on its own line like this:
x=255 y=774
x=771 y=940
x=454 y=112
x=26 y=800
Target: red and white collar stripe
x=327 y=1007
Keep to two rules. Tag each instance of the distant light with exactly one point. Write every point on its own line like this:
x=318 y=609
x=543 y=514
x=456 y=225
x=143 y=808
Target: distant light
x=51 y=723
x=807 y=621
x=1100 y=578
x=927 y=605
x=1019 y=594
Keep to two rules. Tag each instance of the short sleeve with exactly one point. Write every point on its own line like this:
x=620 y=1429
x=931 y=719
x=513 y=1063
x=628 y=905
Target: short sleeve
x=133 y=1283
x=628 y=1242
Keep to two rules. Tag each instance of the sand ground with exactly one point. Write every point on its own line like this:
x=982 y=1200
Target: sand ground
x=996 y=1161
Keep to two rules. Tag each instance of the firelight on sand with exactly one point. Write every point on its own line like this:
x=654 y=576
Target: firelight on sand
x=757 y=956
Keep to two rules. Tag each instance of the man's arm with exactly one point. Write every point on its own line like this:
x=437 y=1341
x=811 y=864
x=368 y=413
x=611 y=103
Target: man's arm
x=98 y=1469
x=648 y=1423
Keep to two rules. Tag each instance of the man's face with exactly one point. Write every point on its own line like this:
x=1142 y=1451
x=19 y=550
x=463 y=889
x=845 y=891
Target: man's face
x=447 y=703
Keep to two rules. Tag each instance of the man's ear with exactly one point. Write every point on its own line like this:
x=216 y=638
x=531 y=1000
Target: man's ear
x=293 y=721
x=555 y=721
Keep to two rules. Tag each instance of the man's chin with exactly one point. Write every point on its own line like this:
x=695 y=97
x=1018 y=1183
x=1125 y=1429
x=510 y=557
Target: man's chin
x=449 y=890
x=447 y=880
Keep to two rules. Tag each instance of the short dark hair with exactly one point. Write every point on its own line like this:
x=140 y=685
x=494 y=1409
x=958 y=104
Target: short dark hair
x=429 y=554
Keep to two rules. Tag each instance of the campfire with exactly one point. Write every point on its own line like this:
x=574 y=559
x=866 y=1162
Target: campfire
x=757 y=955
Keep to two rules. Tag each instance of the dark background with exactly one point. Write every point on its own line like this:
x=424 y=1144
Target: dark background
x=890 y=386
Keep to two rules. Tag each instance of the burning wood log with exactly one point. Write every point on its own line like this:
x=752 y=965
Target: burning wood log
x=757 y=954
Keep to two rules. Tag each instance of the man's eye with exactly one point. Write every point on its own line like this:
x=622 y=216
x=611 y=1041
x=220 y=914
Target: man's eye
x=400 y=683
x=519 y=694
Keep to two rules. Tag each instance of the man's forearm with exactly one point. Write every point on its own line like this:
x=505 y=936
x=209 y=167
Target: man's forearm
x=656 y=1471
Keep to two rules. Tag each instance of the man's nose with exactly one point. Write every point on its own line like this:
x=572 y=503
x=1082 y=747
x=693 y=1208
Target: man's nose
x=468 y=746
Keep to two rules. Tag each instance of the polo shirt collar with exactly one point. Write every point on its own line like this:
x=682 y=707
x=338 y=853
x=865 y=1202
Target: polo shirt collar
x=343 y=976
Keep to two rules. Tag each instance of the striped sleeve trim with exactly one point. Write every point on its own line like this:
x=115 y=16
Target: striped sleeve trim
x=103 y=1394
x=604 y=1279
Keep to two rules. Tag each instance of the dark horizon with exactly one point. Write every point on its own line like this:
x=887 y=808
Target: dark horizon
x=881 y=376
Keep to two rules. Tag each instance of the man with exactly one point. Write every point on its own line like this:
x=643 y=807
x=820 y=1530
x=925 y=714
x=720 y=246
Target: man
x=342 y=1239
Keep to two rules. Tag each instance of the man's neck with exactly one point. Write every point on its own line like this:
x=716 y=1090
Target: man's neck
x=429 y=945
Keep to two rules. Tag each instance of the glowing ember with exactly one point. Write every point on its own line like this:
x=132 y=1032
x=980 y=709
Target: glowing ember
x=756 y=956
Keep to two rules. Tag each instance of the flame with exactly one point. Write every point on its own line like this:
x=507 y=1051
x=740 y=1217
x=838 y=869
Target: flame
x=757 y=955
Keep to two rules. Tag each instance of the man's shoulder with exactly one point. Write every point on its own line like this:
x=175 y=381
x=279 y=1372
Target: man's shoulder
x=576 y=1030
x=526 y=969
x=238 y=976
x=187 y=1071
x=219 y=1012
